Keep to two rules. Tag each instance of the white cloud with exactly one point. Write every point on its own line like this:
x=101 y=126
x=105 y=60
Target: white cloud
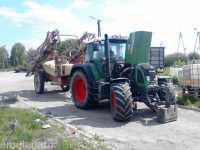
x=81 y=4
x=31 y=43
x=42 y=18
x=164 y=18
x=11 y=14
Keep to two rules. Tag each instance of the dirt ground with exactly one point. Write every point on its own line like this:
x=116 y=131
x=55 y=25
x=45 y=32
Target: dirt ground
x=142 y=132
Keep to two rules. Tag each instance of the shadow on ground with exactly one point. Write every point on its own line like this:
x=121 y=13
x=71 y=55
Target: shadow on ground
x=30 y=95
x=98 y=117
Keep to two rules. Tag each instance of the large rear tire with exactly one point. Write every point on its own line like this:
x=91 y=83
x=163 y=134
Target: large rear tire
x=39 y=80
x=81 y=90
x=121 y=102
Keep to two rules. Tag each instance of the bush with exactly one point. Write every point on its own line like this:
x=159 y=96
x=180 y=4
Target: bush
x=175 y=81
x=188 y=100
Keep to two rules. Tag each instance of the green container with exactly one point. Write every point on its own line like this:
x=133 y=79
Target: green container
x=138 y=47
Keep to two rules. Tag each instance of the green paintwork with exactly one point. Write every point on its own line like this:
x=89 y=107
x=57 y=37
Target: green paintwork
x=95 y=62
x=142 y=86
x=97 y=74
x=137 y=52
x=138 y=46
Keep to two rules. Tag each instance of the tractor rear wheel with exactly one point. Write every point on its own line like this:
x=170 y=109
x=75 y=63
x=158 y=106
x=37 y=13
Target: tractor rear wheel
x=39 y=80
x=121 y=102
x=80 y=89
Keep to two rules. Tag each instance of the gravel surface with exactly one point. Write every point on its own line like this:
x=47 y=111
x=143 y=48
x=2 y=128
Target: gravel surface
x=142 y=132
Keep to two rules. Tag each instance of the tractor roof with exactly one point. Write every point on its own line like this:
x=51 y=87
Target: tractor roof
x=112 y=40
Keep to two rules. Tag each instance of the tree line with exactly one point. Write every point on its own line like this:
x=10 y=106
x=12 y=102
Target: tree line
x=180 y=59
x=18 y=56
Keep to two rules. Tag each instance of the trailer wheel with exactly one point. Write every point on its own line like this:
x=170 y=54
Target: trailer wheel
x=39 y=80
x=81 y=90
x=121 y=102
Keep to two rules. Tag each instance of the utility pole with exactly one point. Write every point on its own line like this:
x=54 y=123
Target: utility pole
x=180 y=41
x=98 y=25
x=197 y=41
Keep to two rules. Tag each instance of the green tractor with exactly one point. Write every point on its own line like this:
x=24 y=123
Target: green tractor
x=117 y=69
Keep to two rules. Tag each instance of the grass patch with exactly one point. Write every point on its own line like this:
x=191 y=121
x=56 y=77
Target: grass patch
x=81 y=143
x=26 y=128
x=28 y=131
x=189 y=100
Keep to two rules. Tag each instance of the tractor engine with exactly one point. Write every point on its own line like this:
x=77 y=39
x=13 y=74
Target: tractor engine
x=144 y=86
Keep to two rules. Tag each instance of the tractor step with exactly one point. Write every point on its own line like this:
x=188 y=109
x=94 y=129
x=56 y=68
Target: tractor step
x=165 y=115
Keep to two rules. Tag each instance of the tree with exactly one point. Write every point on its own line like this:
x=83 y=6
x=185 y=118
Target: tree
x=18 y=56
x=193 y=56
x=4 y=58
x=175 y=59
x=69 y=45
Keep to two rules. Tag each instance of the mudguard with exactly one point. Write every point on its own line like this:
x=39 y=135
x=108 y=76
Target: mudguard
x=85 y=68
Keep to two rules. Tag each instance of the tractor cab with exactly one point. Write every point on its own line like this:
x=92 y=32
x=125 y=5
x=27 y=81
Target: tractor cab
x=95 y=54
x=96 y=50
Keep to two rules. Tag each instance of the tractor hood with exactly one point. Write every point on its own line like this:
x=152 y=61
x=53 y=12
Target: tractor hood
x=138 y=46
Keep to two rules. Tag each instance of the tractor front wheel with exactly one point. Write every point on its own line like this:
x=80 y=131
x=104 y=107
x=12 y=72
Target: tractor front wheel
x=166 y=93
x=80 y=89
x=121 y=102
x=39 y=81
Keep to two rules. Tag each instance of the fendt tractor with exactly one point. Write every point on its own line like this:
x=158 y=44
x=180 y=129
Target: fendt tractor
x=117 y=69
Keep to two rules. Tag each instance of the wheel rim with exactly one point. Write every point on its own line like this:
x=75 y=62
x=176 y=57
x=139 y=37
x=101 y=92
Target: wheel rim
x=113 y=100
x=79 y=89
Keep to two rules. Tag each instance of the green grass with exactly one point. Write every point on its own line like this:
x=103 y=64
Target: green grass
x=28 y=131
x=189 y=100
x=81 y=144
x=25 y=124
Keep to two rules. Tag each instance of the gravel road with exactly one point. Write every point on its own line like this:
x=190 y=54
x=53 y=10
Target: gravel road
x=141 y=133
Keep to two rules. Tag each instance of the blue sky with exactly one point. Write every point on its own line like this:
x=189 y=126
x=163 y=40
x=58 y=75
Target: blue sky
x=27 y=21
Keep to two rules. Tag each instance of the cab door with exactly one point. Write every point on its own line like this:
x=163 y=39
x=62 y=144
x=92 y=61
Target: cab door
x=96 y=57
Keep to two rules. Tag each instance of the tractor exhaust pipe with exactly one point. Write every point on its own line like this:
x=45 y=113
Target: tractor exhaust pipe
x=107 y=54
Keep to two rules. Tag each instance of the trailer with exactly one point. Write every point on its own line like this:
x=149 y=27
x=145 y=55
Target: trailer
x=191 y=79
x=48 y=65
x=156 y=57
